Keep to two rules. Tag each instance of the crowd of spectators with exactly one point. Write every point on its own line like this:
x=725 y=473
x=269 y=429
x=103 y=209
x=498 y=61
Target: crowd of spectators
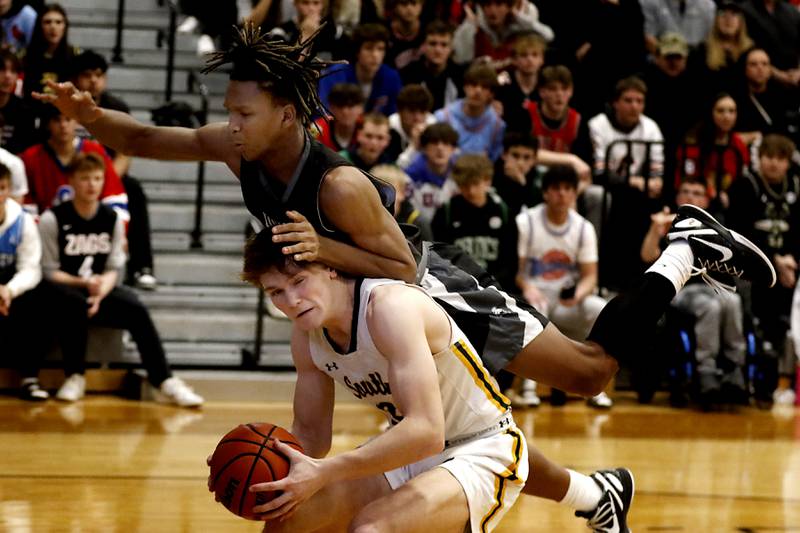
x=551 y=143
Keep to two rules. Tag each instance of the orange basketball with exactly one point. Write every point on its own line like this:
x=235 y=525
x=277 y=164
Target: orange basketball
x=243 y=458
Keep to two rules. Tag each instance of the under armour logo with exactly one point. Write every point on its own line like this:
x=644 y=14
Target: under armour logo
x=331 y=367
x=504 y=422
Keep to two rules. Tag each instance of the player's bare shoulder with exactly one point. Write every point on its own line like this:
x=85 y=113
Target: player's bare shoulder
x=343 y=184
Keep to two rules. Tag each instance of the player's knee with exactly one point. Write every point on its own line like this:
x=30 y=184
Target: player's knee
x=367 y=522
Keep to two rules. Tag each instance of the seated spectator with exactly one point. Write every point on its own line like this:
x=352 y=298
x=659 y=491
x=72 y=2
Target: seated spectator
x=18 y=121
x=46 y=163
x=691 y=19
x=478 y=221
x=21 y=303
x=346 y=104
x=91 y=75
x=405 y=32
x=714 y=154
x=430 y=170
x=435 y=70
x=516 y=178
x=310 y=15
x=82 y=255
x=672 y=99
x=50 y=54
x=372 y=139
x=379 y=82
x=557 y=126
x=775 y=27
x=17 y=20
x=557 y=268
x=491 y=29
x=629 y=161
x=627 y=122
x=480 y=129
x=413 y=115
x=404 y=210
x=719 y=325
x=517 y=86
x=764 y=208
x=715 y=61
x=764 y=104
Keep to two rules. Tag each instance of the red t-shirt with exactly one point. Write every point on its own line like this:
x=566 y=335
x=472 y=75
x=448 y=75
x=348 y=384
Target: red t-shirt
x=47 y=178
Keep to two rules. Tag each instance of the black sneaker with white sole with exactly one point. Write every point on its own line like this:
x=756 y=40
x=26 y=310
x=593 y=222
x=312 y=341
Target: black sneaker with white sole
x=720 y=253
x=32 y=391
x=611 y=514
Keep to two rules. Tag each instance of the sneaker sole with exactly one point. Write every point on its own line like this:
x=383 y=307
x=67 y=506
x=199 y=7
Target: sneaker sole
x=739 y=238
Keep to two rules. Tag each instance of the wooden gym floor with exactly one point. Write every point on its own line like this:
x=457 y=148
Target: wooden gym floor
x=112 y=465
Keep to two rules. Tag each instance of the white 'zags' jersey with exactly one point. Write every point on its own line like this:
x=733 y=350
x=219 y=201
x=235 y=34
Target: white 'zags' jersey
x=471 y=398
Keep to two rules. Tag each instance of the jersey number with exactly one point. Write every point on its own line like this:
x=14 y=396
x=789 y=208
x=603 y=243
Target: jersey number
x=391 y=410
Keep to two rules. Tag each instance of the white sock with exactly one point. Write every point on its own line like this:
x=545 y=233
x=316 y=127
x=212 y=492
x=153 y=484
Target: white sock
x=583 y=493
x=675 y=263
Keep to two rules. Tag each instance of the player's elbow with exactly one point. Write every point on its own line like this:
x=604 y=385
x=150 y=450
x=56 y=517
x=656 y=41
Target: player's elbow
x=408 y=271
x=432 y=439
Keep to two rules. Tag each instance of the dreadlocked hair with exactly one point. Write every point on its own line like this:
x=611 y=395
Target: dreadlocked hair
x=288 y=71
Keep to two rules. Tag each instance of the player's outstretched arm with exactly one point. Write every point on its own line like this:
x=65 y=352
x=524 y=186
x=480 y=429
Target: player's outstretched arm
x=126 y=135
x=352 y=204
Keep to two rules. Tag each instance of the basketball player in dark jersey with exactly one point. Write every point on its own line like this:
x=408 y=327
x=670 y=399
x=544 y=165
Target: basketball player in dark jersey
x=327 y=211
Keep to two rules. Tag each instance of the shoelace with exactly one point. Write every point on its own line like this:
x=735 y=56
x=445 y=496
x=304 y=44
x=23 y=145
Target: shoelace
x=715 y=284
x=603 y=518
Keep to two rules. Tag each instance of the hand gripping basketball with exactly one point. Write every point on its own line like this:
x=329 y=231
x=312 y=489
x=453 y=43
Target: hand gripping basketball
x=306 y=477
x=248 y=455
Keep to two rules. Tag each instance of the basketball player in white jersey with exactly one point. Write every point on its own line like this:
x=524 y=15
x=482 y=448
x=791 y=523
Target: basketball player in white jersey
x=452 y=458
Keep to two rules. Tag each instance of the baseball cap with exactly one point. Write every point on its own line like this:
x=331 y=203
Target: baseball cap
x=672 y=43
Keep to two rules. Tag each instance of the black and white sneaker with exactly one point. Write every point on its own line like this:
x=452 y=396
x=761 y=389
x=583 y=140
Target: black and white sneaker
x=720 y=254
x=611 y=514
x=31 y=391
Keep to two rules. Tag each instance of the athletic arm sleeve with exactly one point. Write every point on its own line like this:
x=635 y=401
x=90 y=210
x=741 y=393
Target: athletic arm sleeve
x=117 y=259
x=588 y=250
x=523 y=232
x=29 y=257
x=48 y=232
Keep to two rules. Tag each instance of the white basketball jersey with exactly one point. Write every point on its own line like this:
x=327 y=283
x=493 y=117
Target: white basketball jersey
x=471 y=398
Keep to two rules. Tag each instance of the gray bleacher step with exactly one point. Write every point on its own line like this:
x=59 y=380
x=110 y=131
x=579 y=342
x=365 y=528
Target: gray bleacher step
x=215 y=353
x=186 y=192
x=185 y=60
x=123 y=77
x=214 y=326
x=180 y=217
x=198 y=269
x=82 y=16
x=172 y=241
x=138 y=5
x=197 y=297
x=132 y=39
x=152 y=169
x=154 y=97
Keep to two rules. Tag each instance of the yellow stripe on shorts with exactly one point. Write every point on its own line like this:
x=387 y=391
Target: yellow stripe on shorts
x=480 y=376
x=500 y=480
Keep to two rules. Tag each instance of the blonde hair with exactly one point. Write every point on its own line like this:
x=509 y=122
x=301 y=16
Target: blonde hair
x=391 y=174
x=470 y=168
x=715 y=52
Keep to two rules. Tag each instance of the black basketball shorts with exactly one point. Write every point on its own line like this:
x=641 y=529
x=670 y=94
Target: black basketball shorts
x=497 y=324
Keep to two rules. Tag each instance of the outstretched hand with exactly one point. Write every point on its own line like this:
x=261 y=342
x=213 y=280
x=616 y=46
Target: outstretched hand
x=301 y=233
x=304 y=480
x=73 y=103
